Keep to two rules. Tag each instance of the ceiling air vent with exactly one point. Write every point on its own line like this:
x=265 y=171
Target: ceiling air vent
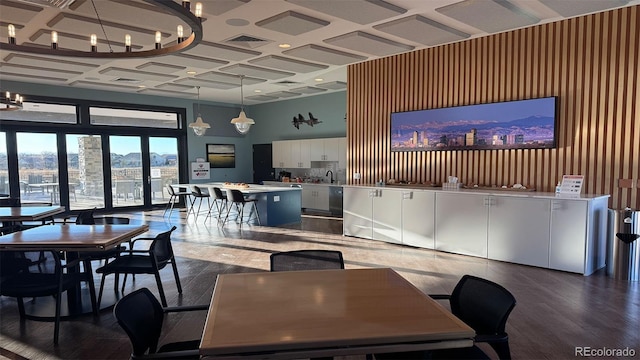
x=247 y=41
x=287 y=83
x=127 y=80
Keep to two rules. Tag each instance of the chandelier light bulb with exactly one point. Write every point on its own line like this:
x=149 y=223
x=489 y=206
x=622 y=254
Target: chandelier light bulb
x=12 y=30
x=198 y=10
x=54 y=39
x=127 y=43
x=186 y=4
x=94 y=42
x=180 y=33
x=7 y=95
x=158 y=39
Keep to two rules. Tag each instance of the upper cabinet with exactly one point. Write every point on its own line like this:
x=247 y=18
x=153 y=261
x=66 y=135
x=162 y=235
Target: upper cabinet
x=300 y=153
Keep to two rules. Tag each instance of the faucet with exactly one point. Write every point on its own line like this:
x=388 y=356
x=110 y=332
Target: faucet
x=329 y=172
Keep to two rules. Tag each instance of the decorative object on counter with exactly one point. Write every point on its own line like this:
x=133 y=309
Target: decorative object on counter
x=301 y=120
x=230 y=185
x=182 y=14
x=451 y=184
x=242 y=122
x=199 y=127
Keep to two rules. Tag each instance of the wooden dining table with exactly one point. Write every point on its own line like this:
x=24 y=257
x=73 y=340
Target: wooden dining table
x=14 y=214
x=324 y=313
x=72 y=239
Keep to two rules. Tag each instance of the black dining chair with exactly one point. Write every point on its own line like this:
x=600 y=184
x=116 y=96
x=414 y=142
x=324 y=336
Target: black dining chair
x=197 y=194
x=53 y=281
x=306 y=260
x=141 y=316
x=483 y=305
x=237 y=200
x=173 y=197
x=148 y=261
x=219 y=202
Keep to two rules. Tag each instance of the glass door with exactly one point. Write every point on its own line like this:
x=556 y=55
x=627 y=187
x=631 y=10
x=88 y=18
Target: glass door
x=163 y=165
x=126 y=171
x=38 y=167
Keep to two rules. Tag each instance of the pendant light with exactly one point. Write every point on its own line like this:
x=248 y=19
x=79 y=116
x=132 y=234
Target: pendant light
x=199 y=127
x=242 y=122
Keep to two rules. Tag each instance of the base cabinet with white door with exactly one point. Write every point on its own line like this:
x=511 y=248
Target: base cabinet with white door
x=461 y=223
x=538 y=229
x=315 y=197
x=519 y=230
x=418 y=218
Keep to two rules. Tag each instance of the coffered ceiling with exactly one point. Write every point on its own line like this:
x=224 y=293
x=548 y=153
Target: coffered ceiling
x=243 y=37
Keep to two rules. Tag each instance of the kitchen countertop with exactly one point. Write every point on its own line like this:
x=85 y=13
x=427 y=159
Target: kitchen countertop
x=280 y=183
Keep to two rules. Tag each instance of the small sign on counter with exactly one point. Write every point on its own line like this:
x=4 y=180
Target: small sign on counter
x=571 y=184
x=200 y=170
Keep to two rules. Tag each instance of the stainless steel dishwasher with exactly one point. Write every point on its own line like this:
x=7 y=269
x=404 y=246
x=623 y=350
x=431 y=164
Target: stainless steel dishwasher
x=335 y=200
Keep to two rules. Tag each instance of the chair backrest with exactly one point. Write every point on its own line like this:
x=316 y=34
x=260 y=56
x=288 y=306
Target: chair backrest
x=161 y=248
x=482 y=304
x=140 y=315
x=235 y=196
x=170 y=190
x=218 y=193
x=85 y=217
x=197 y=191
x=112 y=220
x=306 y=260
x=9 y=202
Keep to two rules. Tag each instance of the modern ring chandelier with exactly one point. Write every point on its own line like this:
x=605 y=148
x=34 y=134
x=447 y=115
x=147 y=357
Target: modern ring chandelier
x=183 y=12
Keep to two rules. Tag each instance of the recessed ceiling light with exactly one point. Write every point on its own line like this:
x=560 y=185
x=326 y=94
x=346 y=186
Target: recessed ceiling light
x=191 y=72
x=257 y=90
x=318 y=79
x=284 y=46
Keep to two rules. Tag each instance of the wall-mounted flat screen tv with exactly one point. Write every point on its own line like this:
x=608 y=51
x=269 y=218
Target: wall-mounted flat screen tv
x=522 y=124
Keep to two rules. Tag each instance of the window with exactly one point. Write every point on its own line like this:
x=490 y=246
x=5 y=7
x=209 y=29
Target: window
x=42 y=112
x=137 y=118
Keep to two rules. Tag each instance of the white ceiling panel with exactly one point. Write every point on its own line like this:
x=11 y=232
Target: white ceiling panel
x=221 y=51
x=173 y=87
x=228 y=78
x=280 y=62
x=37 y=71
x=255 y=71
x=101 y=85
x=292 y=23
x=43 y=62
x=571 y=8
x=261 y=98
x=497 y=15
x=324 y=55
x=284 y=94
x=153 y=66
x=170 y=93
x=368 y=43
x=308 y=90
x=422 y=30
x=206 y=83
x=192 y=61
x=358 y=11
x=333 y=85
x=28 y=77
x=136 y=74
x=19 y=13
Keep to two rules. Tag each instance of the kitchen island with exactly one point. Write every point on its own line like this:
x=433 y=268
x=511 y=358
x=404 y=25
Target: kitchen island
x=276 y=205
x=565 y=233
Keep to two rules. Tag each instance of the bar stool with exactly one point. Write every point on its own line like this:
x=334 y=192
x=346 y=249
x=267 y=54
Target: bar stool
x=173 y=196
x=235 y=197
x=198 y=194
x=219 y=201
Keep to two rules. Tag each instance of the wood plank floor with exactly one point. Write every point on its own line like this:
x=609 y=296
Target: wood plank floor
x=556 y=311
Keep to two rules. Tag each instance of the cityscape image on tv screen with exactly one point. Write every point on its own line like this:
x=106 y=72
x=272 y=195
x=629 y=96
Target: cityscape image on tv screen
x=522 y=124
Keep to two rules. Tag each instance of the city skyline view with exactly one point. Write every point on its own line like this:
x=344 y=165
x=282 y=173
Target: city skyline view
x=504 y=125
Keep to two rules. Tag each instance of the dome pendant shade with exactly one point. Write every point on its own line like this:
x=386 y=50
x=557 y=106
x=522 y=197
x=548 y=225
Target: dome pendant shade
x=199 y=127
x=242 y=122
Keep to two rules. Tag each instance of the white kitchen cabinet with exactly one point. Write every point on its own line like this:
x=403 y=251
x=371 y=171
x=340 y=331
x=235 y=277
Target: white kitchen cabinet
x=325 y=149
x=300 y=154
x=461 y=223
x=357 y=212
x=418 y=218
x=315 y=197
x=387 y=222
x=519 y=230
x=281 y=154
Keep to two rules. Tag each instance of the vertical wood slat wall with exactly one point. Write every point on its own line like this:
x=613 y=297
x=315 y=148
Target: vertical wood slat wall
x=590 y=63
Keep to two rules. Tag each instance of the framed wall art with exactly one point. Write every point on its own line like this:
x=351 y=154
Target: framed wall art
x=221 y=155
